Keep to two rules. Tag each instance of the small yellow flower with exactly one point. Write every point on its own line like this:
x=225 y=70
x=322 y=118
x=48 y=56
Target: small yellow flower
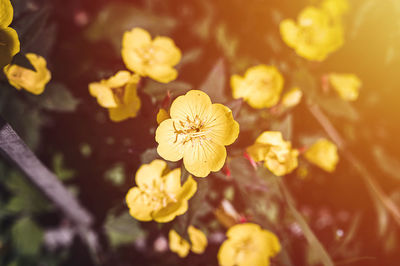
x=198 y=132
x=315 y=35
x=260 y=87
x=32 y=81
x=323 y=153
x=277 y=154
x=118 y=94
x=292 y=97
x=180 y=246
x=154 y=58
x=9 y=42
x=177 y=244
x=248 y=245
x=159 y=195
x=162 y=115
x=346 y=85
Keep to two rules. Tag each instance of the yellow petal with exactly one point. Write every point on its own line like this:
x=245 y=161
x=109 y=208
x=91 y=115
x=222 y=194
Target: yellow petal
x=242 y=230
x=198 y=240
x=136 y=38
x=104 y=94
x=148 y=174
x=138 y=205
x=323 y=153
x=6 y=13
x=223 y=128
x=271 y=138
x=121 y=78
x=201 y=158
x=162 y=115
x=130 y=106
x=133 y=61
x=188 y=189
x=227 y=254
x=172 y=182
x=9 y=45
x=168 y=148
x=289 y=32
x=346 y=85
x=177 y=244
x=274 y=247
x=236 y=85
x=258 y=151
x=292 y=97
x=161 y=72
x=169 y=212
x=194 y=102
x=165 y=51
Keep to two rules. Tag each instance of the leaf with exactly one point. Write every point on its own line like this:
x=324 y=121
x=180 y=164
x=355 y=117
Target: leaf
x=190 y=56
x=226 y=42
x=284 y=126
x=149 y=155
x=214 y=84
x=27 y=237
x=57 y=97
x=117 y=17
x=116 y=174
x=60 y=170
x=388 y=164
x=159 y=90
x=122 y=229
x=338 y=107
x=235 y=106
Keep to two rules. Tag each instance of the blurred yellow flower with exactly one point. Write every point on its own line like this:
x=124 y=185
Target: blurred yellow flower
x=9 y=42
x=346 y=85
x=159 y=195
x=336 y=8
x=118 y=94
x=277 y=154
x=248 y=245
x=146 y=57
x=323 y=153
x=292 y=97
x=260 y=87
x=315 y=35
x=23 y=78
x=180 y=246
x=177 y=244
x=198 y=132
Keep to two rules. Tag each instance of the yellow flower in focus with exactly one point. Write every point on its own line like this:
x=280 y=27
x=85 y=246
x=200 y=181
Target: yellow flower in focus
x=346 y=85
x=292 y=97
x=177 y=244
x=159 y=195
x=336 y=8
x=248 y=245
x=315 y=35
x=146 y=57
x=32 y=81
x=118 y=94
x=198 y=132
x=180 y=246
x=323 y=153
x=277 y=154
x=260 y=87
x=9 y=42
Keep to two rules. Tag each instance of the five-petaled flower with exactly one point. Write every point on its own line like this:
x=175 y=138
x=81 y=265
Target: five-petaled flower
x=198 y=132
x=346 y=85
x=323 y=153
x=277 y=154
x=316 y=34
x=159 y=194
x=248 y=244
x=30 y=80
x=198 y=242
x=118 y=94
x=9 y=42
x=146 y=57
x=260 y=87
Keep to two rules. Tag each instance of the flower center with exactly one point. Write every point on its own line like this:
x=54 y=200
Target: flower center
x=190 y=130
x=146 y=53
x=157 y=195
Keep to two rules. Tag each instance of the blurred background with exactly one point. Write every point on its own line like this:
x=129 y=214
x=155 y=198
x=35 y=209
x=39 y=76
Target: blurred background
x=96 y=159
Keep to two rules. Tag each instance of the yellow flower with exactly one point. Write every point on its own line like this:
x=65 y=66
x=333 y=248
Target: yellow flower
x=159 y=195
x=180 y=246
x=316 y=34
x=198 y=132
x=277 y=154
x=260 y=87
x=9 y=42
x=335 y=7
x=346 y=85
x=154 y=58
x=177 y=244
x=323 y=153
x=292 y=97
x=118 y=94
x=248 y=245
x=32 y=81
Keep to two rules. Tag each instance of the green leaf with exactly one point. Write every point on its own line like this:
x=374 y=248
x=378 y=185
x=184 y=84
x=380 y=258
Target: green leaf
x=122 y=229
x=214 y=85
x=57 y=97
x=117 y=17
x=116 y=174
x=159 y=90
x=60 y=170
x=27 y=237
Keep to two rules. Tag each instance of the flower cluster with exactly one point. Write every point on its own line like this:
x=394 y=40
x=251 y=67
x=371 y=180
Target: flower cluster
x=198 y=242
x=318 y=31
